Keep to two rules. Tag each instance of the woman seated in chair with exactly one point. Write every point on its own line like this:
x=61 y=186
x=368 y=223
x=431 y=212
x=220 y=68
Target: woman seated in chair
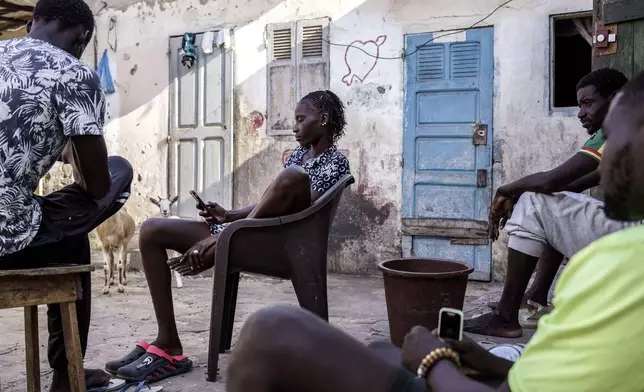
x=312 y=169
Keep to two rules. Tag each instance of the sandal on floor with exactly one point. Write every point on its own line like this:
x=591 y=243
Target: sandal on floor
x=141 y=387
x=139 y=351
x=530 y=318
x=489 y=325
x=154 y=366
x=115 y=385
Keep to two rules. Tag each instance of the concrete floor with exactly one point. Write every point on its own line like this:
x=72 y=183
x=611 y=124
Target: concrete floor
x=356 y=305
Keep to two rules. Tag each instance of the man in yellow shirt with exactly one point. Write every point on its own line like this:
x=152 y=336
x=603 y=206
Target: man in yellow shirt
x=592 y=341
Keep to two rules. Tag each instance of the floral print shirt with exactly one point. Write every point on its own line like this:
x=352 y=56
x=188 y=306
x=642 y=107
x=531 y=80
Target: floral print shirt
x=46 y=96
x=324 y=171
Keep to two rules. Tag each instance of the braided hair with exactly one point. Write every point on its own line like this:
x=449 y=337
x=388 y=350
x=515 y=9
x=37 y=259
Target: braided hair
x=68 y=13
x=325 y=101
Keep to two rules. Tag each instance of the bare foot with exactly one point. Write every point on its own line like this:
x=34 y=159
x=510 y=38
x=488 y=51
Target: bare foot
x=537 y=297
x=493 y=324
x=172 y=348
x=524 y=302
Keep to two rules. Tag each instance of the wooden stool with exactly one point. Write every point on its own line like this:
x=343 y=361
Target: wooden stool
x=29 y=288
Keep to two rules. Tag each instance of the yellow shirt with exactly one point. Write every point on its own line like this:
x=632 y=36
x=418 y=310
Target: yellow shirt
x=594 y=338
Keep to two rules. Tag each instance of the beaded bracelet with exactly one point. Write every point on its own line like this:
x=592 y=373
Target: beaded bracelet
x=433 y=357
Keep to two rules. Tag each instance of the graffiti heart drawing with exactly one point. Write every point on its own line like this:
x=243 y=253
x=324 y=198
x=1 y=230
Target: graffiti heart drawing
x=361 y=58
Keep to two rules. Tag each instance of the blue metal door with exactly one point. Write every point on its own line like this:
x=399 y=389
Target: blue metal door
x=447 y=149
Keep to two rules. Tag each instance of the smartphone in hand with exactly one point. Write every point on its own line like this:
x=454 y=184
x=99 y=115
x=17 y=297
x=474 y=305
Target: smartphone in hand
x=200 y=203
x=450 y=324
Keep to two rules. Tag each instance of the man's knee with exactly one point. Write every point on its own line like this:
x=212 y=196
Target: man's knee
x=266 y=340
x=529 y=198
x=526 y=207
x=121 y=166
x=277 y=330
x=273 y=321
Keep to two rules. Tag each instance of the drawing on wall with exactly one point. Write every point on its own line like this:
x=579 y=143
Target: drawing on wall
x=359 y=63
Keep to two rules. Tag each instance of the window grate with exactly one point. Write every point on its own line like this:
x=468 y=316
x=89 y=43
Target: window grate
x=282 y=44
x=465 y=60
x=312 y=42
x=431 y=65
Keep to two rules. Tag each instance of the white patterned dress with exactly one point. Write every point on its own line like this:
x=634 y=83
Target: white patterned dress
x=46 y=96
x=324 y=171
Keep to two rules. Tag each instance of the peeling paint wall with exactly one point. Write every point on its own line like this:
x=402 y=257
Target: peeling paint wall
x=527 y=136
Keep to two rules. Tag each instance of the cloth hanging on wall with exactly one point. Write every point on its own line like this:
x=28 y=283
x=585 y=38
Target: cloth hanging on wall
x=208 y=42
x=223 y=38
x=104 y=74
x=188 y=53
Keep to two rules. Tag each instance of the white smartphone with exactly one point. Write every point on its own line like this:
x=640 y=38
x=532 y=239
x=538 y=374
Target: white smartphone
x=450 y=324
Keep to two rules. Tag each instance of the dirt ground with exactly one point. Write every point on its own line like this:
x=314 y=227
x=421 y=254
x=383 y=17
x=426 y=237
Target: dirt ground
x=356 y=305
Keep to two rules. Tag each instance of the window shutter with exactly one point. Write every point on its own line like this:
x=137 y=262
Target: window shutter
x=431 y=63
x=312 y=56
x=281 y=78
x=465 y=58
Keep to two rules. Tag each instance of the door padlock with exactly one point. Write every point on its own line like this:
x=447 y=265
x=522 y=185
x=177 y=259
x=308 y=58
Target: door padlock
x=479 y=137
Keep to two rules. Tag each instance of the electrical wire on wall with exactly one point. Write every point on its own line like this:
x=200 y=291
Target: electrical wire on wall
x=419 y=47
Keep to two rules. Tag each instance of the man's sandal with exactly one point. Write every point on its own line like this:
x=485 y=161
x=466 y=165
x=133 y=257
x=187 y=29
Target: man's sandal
x=115 y=385
x=154 y=366
x=139 y=351
x=141 y=387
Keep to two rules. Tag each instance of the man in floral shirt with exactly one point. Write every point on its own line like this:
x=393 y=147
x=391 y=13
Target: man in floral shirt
x=52 y=107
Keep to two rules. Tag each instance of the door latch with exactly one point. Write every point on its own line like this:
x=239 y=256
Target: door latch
x=480 y=134
x=481 y=178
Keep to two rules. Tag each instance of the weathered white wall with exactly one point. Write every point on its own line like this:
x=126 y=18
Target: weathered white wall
x=528 y=137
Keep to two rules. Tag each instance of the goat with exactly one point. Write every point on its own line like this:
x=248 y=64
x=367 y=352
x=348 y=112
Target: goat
x=115 y=235
x=164 y=206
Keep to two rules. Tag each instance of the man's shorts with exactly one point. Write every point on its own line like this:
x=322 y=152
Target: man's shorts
x=68 y=216
x=565 y=221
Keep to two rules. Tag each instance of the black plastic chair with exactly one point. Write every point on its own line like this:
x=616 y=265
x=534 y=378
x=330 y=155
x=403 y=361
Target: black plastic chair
x=289 y=247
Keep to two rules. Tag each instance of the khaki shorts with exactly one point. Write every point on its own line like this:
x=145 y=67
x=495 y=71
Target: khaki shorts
x=566 y=221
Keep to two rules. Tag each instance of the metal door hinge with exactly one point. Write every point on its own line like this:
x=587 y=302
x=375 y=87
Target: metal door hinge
x=469 y=241
x=481 y=178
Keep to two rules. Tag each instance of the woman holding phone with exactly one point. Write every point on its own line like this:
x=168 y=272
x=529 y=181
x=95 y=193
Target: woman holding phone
x=312 y=169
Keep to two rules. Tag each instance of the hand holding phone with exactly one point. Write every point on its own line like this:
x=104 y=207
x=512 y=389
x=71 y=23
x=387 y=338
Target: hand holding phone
x=200 y=204
x=450 y=324
x=212 y=212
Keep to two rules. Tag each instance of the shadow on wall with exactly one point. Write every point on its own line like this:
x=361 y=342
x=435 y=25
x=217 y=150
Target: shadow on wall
x=365 y=229
x=362 y=230
x=138 y=79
